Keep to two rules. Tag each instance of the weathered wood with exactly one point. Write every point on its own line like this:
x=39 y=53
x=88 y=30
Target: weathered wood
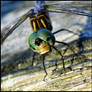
x=31 y=79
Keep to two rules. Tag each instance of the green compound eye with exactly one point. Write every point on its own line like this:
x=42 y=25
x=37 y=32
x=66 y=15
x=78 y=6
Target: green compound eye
x=47 y=36
x=31 y=40
x=44 y=35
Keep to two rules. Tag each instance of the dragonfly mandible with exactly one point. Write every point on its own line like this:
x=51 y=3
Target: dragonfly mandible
x=42 y=40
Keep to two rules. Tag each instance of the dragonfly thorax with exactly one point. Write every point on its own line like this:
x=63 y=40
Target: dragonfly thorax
x=40 y=20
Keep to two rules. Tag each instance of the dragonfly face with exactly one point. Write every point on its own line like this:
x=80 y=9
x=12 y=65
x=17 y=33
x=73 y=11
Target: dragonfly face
x=41 y=41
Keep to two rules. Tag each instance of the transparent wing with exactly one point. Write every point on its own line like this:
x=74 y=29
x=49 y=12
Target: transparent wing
x=77 y=7
x=72 y=7
x=7 y=31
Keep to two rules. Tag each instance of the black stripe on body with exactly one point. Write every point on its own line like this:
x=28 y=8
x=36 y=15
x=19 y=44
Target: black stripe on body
x=40 y=21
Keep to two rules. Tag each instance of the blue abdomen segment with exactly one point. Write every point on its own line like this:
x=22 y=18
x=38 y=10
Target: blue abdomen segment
x=39 y=5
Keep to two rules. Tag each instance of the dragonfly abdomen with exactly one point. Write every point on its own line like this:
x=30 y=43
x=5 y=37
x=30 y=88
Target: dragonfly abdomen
x=40 y=21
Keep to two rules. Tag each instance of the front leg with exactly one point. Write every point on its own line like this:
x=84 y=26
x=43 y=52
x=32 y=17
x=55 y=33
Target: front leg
x=43 y=57
x=62 y=57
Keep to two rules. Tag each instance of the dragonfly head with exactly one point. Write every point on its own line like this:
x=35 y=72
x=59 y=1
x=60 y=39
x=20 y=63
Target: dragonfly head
x=41 y=41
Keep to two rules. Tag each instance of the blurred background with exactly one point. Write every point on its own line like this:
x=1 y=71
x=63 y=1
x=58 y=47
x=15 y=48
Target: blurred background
x=8 y=6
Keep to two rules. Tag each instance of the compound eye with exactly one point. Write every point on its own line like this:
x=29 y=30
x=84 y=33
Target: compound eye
x=38 y=41
x=50 y=40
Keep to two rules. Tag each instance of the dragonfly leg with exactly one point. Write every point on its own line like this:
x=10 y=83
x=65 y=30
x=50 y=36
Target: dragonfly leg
x=70 y=49
x=55 y=67
x=67 y=31
x=61 y=58
x=33 y=58
x=67 y=49
x=44 y=68
x=81 y=50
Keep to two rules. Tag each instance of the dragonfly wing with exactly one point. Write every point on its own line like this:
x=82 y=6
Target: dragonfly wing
x=7 y=31
x=80 y=8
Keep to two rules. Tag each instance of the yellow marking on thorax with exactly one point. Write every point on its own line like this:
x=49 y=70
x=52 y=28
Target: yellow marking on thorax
x=34 y=26
x=43 y=23
x=43 y=16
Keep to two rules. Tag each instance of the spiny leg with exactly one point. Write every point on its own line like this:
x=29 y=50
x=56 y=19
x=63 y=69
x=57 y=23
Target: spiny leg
x=33 y=58
x=66 y=50
x=55 y=68
x=61 y=56
x=80 y=51
x=67 y=31
x=43 y=57
x=65 y=43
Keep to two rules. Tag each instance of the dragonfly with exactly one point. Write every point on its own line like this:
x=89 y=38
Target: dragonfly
x=42 y=40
